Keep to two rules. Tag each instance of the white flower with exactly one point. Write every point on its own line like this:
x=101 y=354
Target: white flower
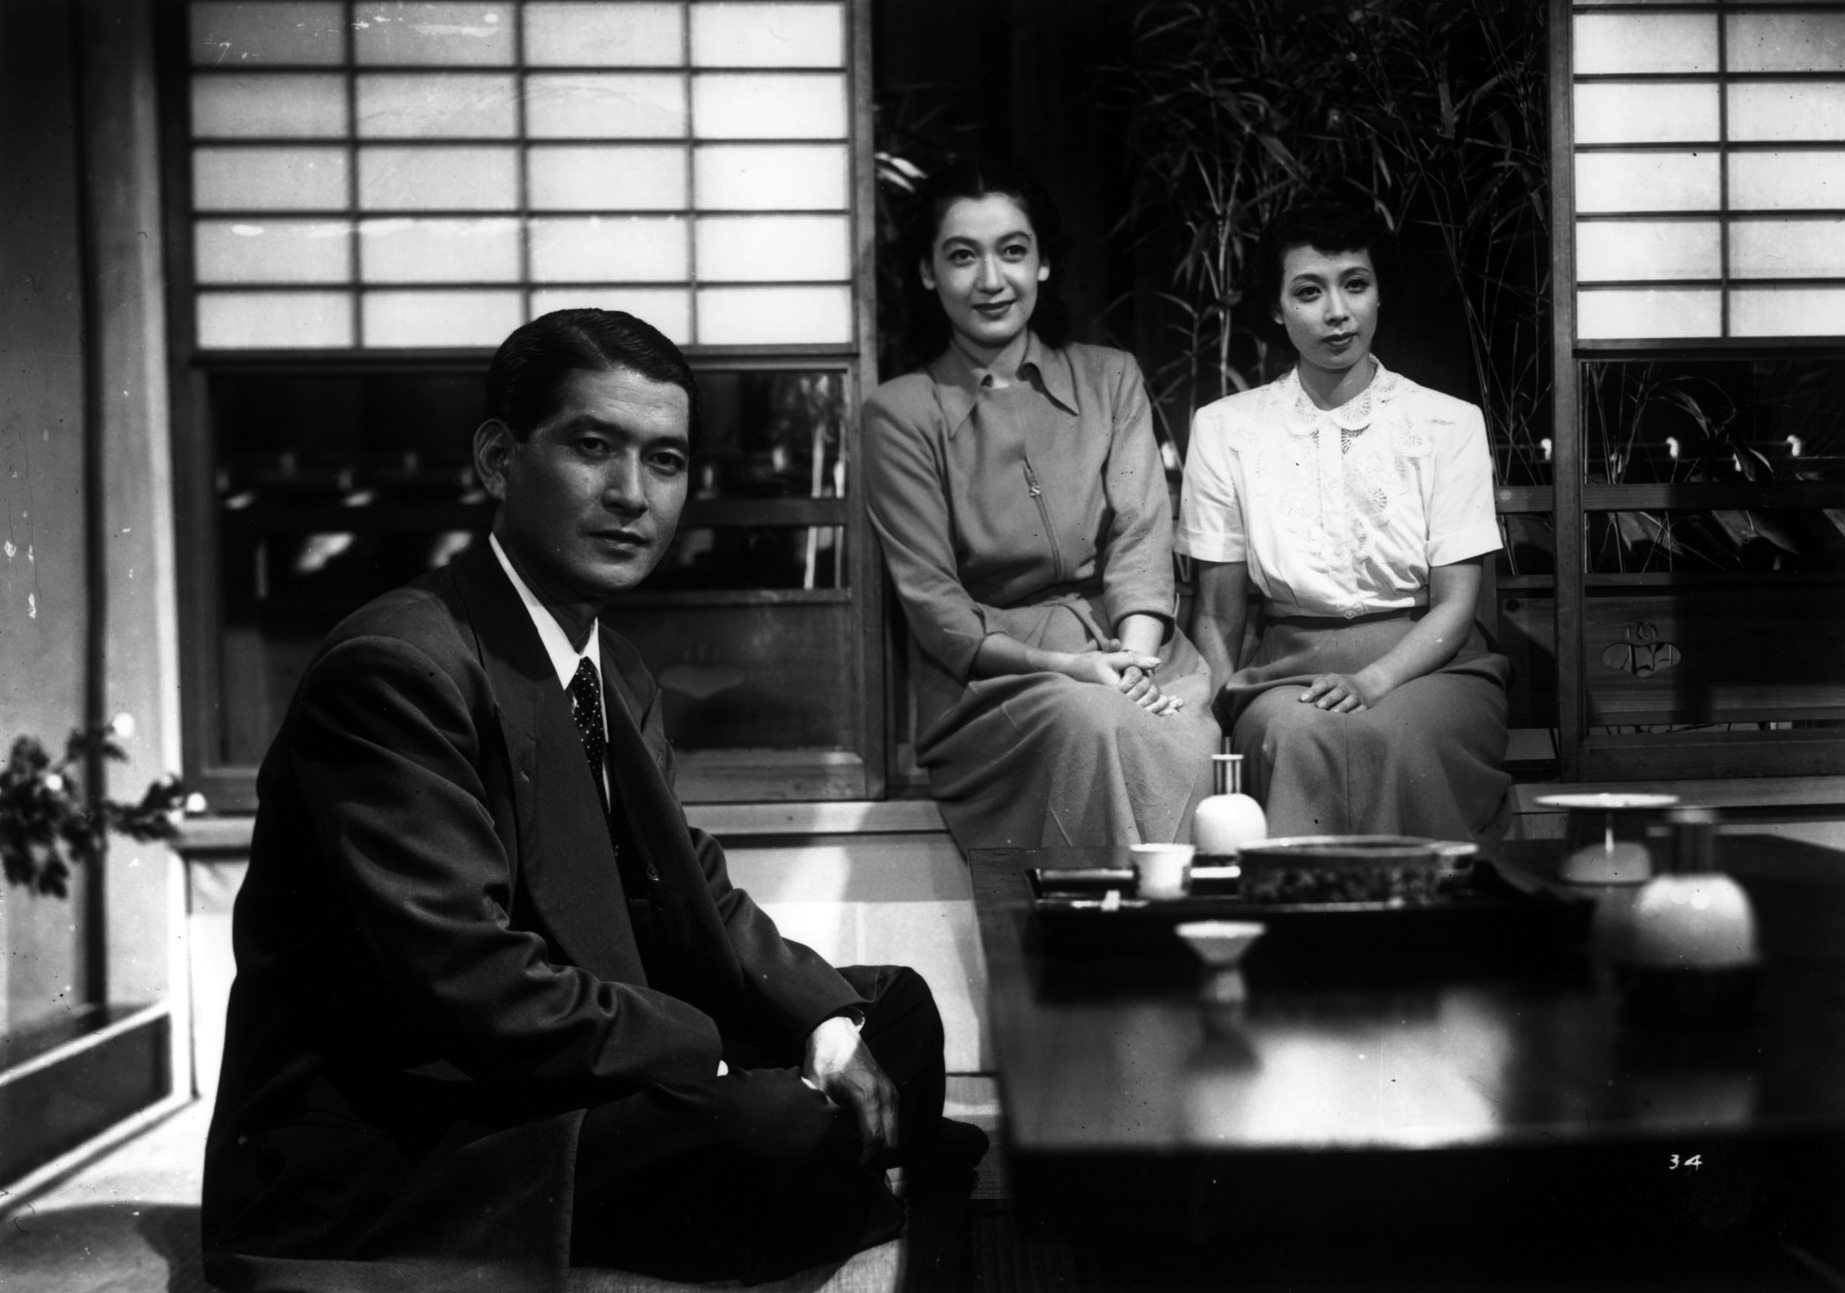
x=195 y=803
x=122 y=726
x=54 y=782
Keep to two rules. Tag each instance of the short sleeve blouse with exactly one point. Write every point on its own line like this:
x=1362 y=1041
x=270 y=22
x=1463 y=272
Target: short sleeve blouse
x=1339 y=512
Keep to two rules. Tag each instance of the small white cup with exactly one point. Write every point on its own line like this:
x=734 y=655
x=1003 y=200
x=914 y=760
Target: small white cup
x=1162 y=870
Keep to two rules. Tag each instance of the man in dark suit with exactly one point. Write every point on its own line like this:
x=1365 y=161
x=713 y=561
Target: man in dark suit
x=496 y=1004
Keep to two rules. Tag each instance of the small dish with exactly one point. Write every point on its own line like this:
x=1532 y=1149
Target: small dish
x=1221 y=946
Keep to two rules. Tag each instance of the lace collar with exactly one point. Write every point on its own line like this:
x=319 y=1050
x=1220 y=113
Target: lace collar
x=1355 y=414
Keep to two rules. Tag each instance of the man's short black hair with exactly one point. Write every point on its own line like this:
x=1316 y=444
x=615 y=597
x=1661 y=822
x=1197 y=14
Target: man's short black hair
x=528 y=371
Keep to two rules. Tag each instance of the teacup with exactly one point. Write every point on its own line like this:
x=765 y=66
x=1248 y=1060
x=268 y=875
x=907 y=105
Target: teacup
x=1162 y=870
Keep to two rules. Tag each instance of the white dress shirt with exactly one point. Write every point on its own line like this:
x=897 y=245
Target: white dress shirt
x=564 y=657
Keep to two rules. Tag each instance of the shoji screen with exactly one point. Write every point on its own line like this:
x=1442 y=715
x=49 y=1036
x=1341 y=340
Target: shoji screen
x=1709 y=170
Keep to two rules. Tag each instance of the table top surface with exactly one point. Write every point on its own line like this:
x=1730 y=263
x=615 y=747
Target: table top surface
x=1116 y=1056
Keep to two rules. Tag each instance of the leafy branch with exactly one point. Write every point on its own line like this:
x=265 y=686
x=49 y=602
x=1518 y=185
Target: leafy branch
x=46 y=821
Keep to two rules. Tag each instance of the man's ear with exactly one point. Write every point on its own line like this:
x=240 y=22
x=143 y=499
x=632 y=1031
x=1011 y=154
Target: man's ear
x=493 y=442
x=928 y=275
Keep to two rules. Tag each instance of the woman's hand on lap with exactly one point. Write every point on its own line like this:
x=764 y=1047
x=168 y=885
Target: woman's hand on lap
x=1341 y=693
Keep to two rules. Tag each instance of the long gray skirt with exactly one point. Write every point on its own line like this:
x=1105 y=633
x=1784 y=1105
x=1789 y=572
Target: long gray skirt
x=1041 y=759
x=1428 y=759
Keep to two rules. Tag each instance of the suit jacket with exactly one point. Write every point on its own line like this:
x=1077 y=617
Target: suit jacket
x=436 y=967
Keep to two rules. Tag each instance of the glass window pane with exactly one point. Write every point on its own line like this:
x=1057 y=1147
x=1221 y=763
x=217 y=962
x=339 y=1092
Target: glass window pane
x=441 y=318
x=768 y=35
x=642 y=249
x=605 y=105
x=443 y=33
x=1613 y=112
x=747 y=316
x=1787 y=311
x=1787 y=249
x=290 y=105
x=1786 y=42
x=1626 y=314
x=772 y=177
x=1625 y=250
x=1787 y=181
x=412 y=106
x=239 y=35
x=273 y=320
x=439 y=251
x=438 y=179
x=605 y=35
x=668 y=308
x=588 y=177
x=274 y=251
x=1645 y=42
x=768 y=106
x=268 y=179
x=1771 y=111
x=1647 y=182
x=773 y=248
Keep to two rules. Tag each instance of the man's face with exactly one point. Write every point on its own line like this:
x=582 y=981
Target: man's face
x=589 y=501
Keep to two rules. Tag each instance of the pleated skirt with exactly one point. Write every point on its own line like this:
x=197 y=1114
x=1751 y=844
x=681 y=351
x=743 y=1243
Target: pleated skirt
x=1428 y=759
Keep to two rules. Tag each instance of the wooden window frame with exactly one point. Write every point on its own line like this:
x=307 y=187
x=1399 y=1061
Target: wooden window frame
x=1585 y=755
x=230 y=787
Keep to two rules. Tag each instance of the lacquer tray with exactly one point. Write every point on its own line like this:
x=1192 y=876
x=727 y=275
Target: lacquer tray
x=1492 y=908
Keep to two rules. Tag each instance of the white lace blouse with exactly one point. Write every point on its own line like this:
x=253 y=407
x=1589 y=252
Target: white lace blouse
x=1339 y=512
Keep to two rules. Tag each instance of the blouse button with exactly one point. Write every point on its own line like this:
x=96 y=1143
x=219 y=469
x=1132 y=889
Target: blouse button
x=1351 y=614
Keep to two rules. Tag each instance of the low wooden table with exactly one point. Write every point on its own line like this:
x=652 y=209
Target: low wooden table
x=1468 y=1106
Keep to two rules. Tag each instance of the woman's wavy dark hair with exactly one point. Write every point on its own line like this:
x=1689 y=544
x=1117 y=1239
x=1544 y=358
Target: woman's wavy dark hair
x=929 y=327
x=1327 y=224
x=526 y=377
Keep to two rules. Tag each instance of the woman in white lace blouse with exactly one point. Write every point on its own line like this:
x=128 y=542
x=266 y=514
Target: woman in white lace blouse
x=1360 y=506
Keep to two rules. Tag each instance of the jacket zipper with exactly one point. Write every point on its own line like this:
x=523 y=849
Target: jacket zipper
x=1044 y=512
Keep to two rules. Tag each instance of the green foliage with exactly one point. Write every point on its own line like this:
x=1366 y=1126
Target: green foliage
x=46 y=822
x=1433 y=111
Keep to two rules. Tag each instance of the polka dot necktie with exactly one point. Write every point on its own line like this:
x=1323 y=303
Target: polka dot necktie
x=586 y=699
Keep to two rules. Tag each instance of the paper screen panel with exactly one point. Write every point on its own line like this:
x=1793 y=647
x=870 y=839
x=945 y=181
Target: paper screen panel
x=1787 y=248
x=605 y=105
x=768 y=35
x=592 y=177
x=1619 y=112
x=412 y=105
x=1792 y=181
x=439 y=251
x=773 y=177
x=1817 y=311
x=287 y=105
x=441 y=178
x=1615 y=314
x=1618 y=250
x=1632 y=42
x=269 y=179
x=456 y=318
x=587 y=249
x=667 y=308
x=1786 y=42
x=1773 y=111
x=605 y=35
x=274 y=320
x=272 y=251
x=246 y=35
x=745 y=316
x=441 y=33
x=1641 y=181
x=748 y=105
x=773 y=248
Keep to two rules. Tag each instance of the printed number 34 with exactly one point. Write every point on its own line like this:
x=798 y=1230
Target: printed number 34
x=1680 y=1160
